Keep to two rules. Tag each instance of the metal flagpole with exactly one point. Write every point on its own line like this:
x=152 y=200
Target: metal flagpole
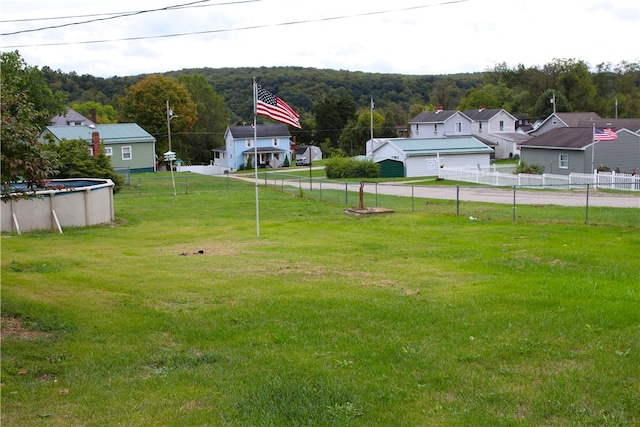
x=593 y=145
x=371 y=120
x=255 y=151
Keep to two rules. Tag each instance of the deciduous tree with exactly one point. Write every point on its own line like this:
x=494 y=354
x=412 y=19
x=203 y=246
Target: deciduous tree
x=25 y=102
x=145 y=103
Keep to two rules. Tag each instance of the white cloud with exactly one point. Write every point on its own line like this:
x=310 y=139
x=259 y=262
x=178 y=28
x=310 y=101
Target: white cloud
x=467 y=36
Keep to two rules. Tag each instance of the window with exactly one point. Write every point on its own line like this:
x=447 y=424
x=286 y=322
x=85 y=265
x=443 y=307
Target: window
x=501 y=125
x=108 y=151
x=459 y=127
x=126 y=153
x=275 y=142
x=435 y=128
x=417 y=129
x=247 y=143
x=479 y=126
x=564 y=161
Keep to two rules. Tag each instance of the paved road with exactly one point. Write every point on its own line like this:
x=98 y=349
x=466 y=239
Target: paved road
x=502 y=195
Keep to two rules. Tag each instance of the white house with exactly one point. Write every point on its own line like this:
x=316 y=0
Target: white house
x=424 y=156
x=272 y=143
x=439 y=123
x=493 y=120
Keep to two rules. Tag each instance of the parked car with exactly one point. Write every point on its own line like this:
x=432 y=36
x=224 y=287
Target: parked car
x=302 y=161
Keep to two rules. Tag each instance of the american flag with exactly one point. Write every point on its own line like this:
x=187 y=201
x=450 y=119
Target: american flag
x=604 y=134
x=269 y=105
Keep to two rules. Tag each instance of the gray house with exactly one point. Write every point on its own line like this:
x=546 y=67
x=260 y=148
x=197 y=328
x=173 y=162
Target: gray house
x=568 y=150
x=72 y=118
x=563 y=120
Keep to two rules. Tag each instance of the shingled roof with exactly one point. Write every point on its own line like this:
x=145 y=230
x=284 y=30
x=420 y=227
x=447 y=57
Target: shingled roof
x=572 y=138
x=438 y=116
x=617 y=124
x=574 y=119
x=262 y=131
x=481 y=114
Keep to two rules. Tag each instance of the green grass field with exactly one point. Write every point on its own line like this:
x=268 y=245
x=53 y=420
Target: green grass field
x=179 y=315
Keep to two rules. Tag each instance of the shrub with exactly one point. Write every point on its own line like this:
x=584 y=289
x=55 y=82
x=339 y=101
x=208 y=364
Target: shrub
x=533 y=168
x=342 y=167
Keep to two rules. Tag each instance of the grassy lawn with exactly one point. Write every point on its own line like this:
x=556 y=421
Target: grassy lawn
x=179 y=315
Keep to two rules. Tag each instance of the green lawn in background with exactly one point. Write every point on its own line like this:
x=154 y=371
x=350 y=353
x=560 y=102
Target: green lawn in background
x=178 y=314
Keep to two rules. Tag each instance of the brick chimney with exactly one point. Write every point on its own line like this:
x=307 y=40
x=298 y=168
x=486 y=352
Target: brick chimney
x=95 y=141
x=439 y=108
x=94 y=117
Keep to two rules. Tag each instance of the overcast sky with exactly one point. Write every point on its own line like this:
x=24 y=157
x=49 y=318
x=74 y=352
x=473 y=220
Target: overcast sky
x=392 y=36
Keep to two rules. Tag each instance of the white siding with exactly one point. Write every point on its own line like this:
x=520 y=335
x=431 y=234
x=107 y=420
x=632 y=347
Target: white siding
x=428 y=165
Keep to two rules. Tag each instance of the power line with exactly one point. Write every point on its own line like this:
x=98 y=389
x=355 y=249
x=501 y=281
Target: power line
x=110 y=16
x=252 y=27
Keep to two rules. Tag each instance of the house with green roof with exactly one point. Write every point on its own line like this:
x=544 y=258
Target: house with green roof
x=425 y=156
x=128 y=145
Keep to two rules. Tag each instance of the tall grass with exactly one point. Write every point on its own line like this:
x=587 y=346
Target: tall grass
x=178 y=314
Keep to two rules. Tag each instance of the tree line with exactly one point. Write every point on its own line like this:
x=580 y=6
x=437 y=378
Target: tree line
x=334 y=105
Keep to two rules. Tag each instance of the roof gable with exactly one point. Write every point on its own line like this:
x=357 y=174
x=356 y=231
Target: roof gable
x=70 y=118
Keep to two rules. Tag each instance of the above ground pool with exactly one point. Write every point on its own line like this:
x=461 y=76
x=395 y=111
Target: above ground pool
x=78 y=202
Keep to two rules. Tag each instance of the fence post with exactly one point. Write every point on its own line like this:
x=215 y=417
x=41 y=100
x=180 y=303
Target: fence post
x=376 y=194
x=413 y=203
x=346 y=193
x=586 y=220
x=457 y=199
x=514 y=204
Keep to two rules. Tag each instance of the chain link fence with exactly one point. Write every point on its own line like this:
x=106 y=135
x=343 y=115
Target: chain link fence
x=587 y=203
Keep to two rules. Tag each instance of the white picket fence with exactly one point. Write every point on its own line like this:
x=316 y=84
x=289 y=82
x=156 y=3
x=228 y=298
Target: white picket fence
x=605 y=180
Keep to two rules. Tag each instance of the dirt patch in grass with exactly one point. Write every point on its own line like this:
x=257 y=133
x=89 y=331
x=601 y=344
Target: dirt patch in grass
x=12 y=327
x=207 y=249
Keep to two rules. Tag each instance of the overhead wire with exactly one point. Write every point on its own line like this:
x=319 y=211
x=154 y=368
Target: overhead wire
x=110 y=16
x=251 y=27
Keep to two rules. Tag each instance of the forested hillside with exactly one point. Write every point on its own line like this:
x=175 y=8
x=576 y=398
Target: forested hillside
x=609 y=90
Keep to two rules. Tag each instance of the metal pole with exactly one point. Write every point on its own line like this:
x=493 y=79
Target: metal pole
x=413 y=202
x=457 y=199
x=169 y=116
x=255 y=152
x=514 y=203
x=586 y=220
